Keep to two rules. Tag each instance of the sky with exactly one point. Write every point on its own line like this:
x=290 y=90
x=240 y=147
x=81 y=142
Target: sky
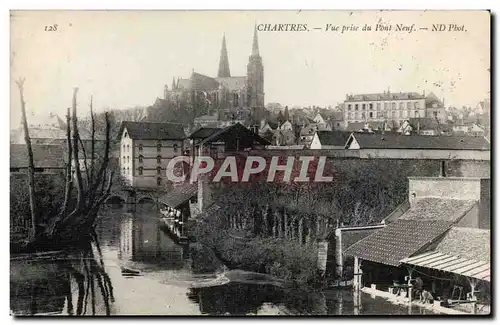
x=124 y=58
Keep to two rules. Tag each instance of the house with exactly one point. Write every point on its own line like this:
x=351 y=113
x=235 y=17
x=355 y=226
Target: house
x=419 y=146
x=145 y=150
x=266 y=125
x=283 y=138
x=307 y=134
x=320 y=122
x=330 y=140
x=437 y=207
x=48 y=159
x=287 y=125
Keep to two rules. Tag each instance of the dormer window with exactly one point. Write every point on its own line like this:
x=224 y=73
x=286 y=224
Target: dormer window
x=125 y=135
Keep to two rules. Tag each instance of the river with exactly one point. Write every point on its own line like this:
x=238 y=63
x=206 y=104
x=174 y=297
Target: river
x=152 y=275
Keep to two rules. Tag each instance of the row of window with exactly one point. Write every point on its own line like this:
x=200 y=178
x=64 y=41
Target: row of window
x=409 y=105
x=141 y=159
x=126 y=148
x=395 y=114
x=127 y=171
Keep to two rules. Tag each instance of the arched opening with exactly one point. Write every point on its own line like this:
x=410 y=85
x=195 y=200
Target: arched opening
x=115 y=201
x=146 y=201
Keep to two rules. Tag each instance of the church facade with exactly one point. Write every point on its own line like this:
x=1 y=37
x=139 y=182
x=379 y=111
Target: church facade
x=224 y=96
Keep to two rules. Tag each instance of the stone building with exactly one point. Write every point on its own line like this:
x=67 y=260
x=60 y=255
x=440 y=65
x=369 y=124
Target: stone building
x=146 y=149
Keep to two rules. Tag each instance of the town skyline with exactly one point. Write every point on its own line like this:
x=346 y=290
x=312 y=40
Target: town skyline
x=129 y=66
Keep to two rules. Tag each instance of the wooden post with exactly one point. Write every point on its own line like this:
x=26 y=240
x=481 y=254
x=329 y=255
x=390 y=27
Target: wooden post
x=410 y=289
x=301 y=230
x=339 y=261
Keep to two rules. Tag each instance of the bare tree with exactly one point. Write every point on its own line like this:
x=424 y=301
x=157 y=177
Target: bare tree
x=31 y=165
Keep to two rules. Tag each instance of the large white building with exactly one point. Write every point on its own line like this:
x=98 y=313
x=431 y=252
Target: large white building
x=389 y=106
x=146 y=149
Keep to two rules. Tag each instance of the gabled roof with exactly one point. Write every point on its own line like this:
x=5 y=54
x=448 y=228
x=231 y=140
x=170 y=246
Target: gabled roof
x=153 y=131
x=235 y=131
x=44 y=156
x=333 y=138
x=203 y=132
x=438 y=209
x=398 y=240
x=184 y=84
x=202 y=82
x=392 y=141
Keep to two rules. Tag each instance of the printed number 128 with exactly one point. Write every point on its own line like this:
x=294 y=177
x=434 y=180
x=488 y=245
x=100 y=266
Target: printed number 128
x=51 y=28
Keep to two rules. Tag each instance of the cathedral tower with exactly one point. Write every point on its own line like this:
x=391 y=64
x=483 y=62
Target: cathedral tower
x=255 y=75
x=224 y=61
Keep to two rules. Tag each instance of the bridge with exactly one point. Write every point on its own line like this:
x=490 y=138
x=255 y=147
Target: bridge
x=173 y=198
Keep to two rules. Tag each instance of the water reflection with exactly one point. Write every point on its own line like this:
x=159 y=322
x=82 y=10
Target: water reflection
x=152 y=275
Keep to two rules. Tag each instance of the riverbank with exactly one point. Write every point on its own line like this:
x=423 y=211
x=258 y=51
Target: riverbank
x=283 y=259
x=434 y=307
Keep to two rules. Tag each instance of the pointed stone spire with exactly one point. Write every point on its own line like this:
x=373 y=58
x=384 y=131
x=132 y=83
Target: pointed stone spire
x=173 y=83
x=255 y=45
x=224 y=61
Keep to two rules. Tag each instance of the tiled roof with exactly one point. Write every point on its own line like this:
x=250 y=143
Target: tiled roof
x=179 y=195
x=203 y=132
x=202 y=82
x=153 y=131
x=391 y=141
x=469 y=243
x=44 y=156
x=385 y=96
x=351 y=237
x=235 y=130
x=233 y=83
x=438 y=209
x=398 y=240
x=333 y=138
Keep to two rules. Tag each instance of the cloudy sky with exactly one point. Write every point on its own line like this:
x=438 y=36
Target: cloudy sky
x=124 y=58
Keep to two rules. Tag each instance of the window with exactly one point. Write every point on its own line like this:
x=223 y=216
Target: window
x=128 y=148
x=371 y=105
x=378 y=106
x=141 y=158
x=408 y=105
x=394 y=114
x=356 y=107
x=176 y=147
x=435 y=113
x=124 y=159
x=128 y=159
x=416 y=114
x=158 y=147
x=349 y=107
x=371 y=114
x=158 y=159
x=158 y=181
x=140 y=147
x=393 y=105
x=124 y=147
x=140 y=170
x=125 y=135
x=128 y=171
x=158 y=170
x=363 y=106
x=124 y=170
x=401 y=105
x=417 y=105
x=386 y=105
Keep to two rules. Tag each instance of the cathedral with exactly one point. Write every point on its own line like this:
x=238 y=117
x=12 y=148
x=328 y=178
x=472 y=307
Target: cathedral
x=224 y=95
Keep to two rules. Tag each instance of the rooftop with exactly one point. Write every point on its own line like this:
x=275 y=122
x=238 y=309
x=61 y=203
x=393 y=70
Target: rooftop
x=394 y=141
x=384 y=96
x=333 y=138
x=398 y=240
x=438 y=209
x=153 y=131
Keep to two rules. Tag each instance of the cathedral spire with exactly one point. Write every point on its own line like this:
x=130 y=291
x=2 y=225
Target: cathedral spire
x=173 y=83
x=255 y=45
x=224 y=61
